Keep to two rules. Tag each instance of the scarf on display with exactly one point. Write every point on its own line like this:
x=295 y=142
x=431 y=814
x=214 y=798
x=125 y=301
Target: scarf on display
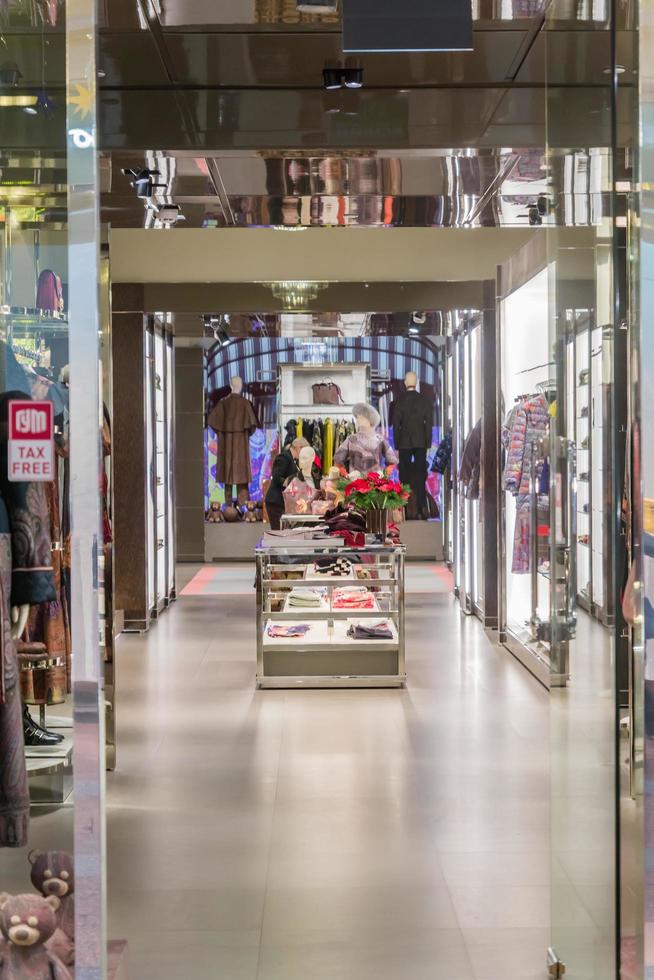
x=370 y=631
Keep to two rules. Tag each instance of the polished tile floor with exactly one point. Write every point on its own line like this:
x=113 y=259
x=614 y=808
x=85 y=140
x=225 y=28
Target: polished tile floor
x=338 y=835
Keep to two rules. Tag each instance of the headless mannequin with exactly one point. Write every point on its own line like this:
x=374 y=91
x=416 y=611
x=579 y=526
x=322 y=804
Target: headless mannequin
x=412 y=424
x=237 y=492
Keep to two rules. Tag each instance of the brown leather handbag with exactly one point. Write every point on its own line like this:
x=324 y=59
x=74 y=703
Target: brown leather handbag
x=326 y=392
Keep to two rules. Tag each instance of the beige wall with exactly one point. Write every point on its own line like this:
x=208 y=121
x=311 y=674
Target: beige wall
x=321 y=254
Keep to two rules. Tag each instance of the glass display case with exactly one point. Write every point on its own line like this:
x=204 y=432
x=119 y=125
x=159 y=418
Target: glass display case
x=330 y=616
x=160 y=468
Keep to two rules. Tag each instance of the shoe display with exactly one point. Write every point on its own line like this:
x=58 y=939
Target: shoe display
x=36 y=736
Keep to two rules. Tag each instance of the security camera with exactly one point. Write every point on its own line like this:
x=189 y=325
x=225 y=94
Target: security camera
x=143 y=182
x=535 y=217
x=169 y=215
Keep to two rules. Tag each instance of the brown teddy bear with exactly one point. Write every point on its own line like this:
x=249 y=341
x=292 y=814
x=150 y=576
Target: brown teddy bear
x=250 y=515
x=52 y=874
x=27 y=922
x=215 y=514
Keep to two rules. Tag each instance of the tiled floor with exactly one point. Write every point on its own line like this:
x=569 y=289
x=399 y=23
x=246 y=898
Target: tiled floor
x=338 y=835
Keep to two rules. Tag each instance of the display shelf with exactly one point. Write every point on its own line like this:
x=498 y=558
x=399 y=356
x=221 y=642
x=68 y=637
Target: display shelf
x=326 y=656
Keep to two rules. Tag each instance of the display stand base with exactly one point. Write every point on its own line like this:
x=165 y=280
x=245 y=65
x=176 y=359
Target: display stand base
x=423 y=540
x=232 y=542
x=50 y=772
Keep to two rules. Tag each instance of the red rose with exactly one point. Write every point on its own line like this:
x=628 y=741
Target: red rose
x=387 y=487
x=359 y=486
x=374 y=478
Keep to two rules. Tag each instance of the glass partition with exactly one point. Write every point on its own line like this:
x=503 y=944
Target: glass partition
x=586 y=477
x=52 y=705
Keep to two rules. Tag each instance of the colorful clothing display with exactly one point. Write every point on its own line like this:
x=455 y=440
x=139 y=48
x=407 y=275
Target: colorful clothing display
x=355 y=597
x=278 y=631
x=524 y=429
x=365 y=451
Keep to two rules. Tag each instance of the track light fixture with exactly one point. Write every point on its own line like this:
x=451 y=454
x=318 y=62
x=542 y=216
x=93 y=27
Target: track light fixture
x=335 y=78
x=10 y=74
x=43 y=105
x=143 y=182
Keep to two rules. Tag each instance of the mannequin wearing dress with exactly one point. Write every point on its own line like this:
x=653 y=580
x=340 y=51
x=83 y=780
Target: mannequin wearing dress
x=367 y=449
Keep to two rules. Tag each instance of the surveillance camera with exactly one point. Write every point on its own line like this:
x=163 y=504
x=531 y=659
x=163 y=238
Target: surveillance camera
x=143 y=182
x=535 y=218
x=170 y=214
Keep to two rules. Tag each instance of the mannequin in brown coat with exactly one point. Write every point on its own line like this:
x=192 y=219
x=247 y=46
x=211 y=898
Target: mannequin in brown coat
x=233 y=420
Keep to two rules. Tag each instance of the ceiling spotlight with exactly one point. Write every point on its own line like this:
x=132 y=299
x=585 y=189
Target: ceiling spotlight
x=10 y=74
x=353 y=77
x=335 y=78
x=332 y=78
x=143 y=183
x=413 y=330
x=419 y=317
x=317 y=6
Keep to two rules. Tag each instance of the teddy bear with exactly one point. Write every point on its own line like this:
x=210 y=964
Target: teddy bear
x=52 y=874
x=259 y=510
x=215 y=514
x=250 y=513
x=27 y=922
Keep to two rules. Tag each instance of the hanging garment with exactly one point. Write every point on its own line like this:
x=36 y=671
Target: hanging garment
x=233 y=420
x=49 y=292
x=328 y=448
x=317 y=441
x=470 y=469
x=530 y=422
x=365 y=451
x=291 y=433
x=443 y=455
x=299 y=428
x=521 y=561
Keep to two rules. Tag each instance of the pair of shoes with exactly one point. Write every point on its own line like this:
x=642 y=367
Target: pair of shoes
x=36 y=736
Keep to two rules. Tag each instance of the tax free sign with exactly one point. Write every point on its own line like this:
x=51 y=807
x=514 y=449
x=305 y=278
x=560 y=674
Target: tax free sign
x=31 y=442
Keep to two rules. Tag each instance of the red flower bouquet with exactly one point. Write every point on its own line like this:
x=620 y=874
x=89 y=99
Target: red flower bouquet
x=375 y=492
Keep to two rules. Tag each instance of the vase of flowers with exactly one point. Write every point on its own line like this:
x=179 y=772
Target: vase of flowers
x=375 y=495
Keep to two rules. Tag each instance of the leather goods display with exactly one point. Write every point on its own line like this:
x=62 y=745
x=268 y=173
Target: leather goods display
x=326 y=392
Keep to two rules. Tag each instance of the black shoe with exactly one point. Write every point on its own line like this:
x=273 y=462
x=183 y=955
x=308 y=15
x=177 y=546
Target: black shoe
x=36 y=736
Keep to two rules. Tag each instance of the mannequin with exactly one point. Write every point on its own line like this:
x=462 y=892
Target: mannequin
x=233 y=420
x=367 y=449
x=413 y=415
x=307 y=465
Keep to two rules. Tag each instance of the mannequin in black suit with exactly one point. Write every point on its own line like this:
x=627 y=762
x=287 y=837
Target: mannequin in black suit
x=413 y=416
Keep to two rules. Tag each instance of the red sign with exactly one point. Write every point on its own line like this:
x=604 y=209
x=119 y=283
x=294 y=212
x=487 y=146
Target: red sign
x=31 y=442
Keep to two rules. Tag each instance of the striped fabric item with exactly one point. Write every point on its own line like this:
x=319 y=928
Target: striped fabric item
x=256 y=358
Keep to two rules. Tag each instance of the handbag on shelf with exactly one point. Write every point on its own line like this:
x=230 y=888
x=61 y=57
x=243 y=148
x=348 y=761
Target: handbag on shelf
x=326 y=392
